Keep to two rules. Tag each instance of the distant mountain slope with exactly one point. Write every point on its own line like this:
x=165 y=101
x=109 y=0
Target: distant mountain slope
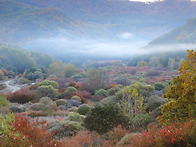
x=19 y=22
x=183 y=34
x=24 y=20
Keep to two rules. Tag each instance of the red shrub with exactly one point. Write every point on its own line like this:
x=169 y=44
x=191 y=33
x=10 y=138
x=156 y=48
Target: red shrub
x=84 y=95
x=23 y=95
x=178 y=134
x=86 y=138
x=34 y=132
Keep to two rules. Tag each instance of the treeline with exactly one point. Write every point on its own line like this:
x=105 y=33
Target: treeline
x=170 y=60
x=17 y=59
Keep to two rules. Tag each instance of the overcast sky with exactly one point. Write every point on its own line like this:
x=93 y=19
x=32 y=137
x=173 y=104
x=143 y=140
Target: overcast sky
x=144 y=0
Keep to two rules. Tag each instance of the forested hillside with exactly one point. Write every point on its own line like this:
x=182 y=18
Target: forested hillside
x=185 y=34
x=22 y=20
x=17 y=59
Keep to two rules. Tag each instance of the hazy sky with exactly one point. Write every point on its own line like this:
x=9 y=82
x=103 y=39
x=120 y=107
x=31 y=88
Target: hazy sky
x=143 y=0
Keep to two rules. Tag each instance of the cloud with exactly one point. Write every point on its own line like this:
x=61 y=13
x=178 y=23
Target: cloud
x=125 y=35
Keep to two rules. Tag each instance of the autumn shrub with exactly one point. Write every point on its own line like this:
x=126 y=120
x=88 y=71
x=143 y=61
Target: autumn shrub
x=22 y=96
x=77 y=85
x=83 y=109
x=8 y=135
x=116 y=134
x=68 y=91
x=102 y=118
x=172 y=135
x=84 y=95
x=37 y=113
x=86 y=139
x=34 y=131
x=152 y=73
x=33 y=87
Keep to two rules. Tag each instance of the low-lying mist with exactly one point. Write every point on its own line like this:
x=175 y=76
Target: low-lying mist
x=124 y=46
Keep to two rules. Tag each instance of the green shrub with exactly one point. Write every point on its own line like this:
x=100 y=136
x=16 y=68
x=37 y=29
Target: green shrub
x=24 y=81
x=101 y=92
x=68 y=91
x=159 y=86
x=75 y=97
x=69 y=128
x=46 y=100
x=37 y=107
x=74 y=116
x=8 y=134
x=154 y=102
x=83 y=109
x=54 y=84
x=1 y=75
x=3 y=101
x=141 y=120
x=61 y=102
x=47 y=91
x=114 y=89
x=103 y=118
x=3 y=86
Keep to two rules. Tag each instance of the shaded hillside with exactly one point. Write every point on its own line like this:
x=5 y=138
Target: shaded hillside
x=183 y=34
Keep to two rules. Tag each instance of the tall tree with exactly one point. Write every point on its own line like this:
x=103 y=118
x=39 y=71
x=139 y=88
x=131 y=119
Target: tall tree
x=181 y=93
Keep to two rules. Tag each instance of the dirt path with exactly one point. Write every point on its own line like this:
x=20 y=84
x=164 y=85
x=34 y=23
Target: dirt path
x=11 y=86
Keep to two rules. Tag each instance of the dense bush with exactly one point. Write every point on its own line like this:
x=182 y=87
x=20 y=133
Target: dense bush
x=54 y=84
x=47 y=91
x=141 y=120
x=159 y=86
x=152 y=73
x=74 y=116
x=1 y=75
x=37 y=107
x=3 y=86
x=154 y=102
x=103 y=118
x=23 y=81
x=68 y=91
x=21 y=131
x=114 y=89
x=3 y=101
x=21 y=96
x=101 y=92
x=173 y=135
x=61 y=102
x=83 y=109
x=75 y=97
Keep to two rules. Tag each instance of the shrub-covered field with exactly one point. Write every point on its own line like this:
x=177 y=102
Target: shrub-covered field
x=141 y=106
